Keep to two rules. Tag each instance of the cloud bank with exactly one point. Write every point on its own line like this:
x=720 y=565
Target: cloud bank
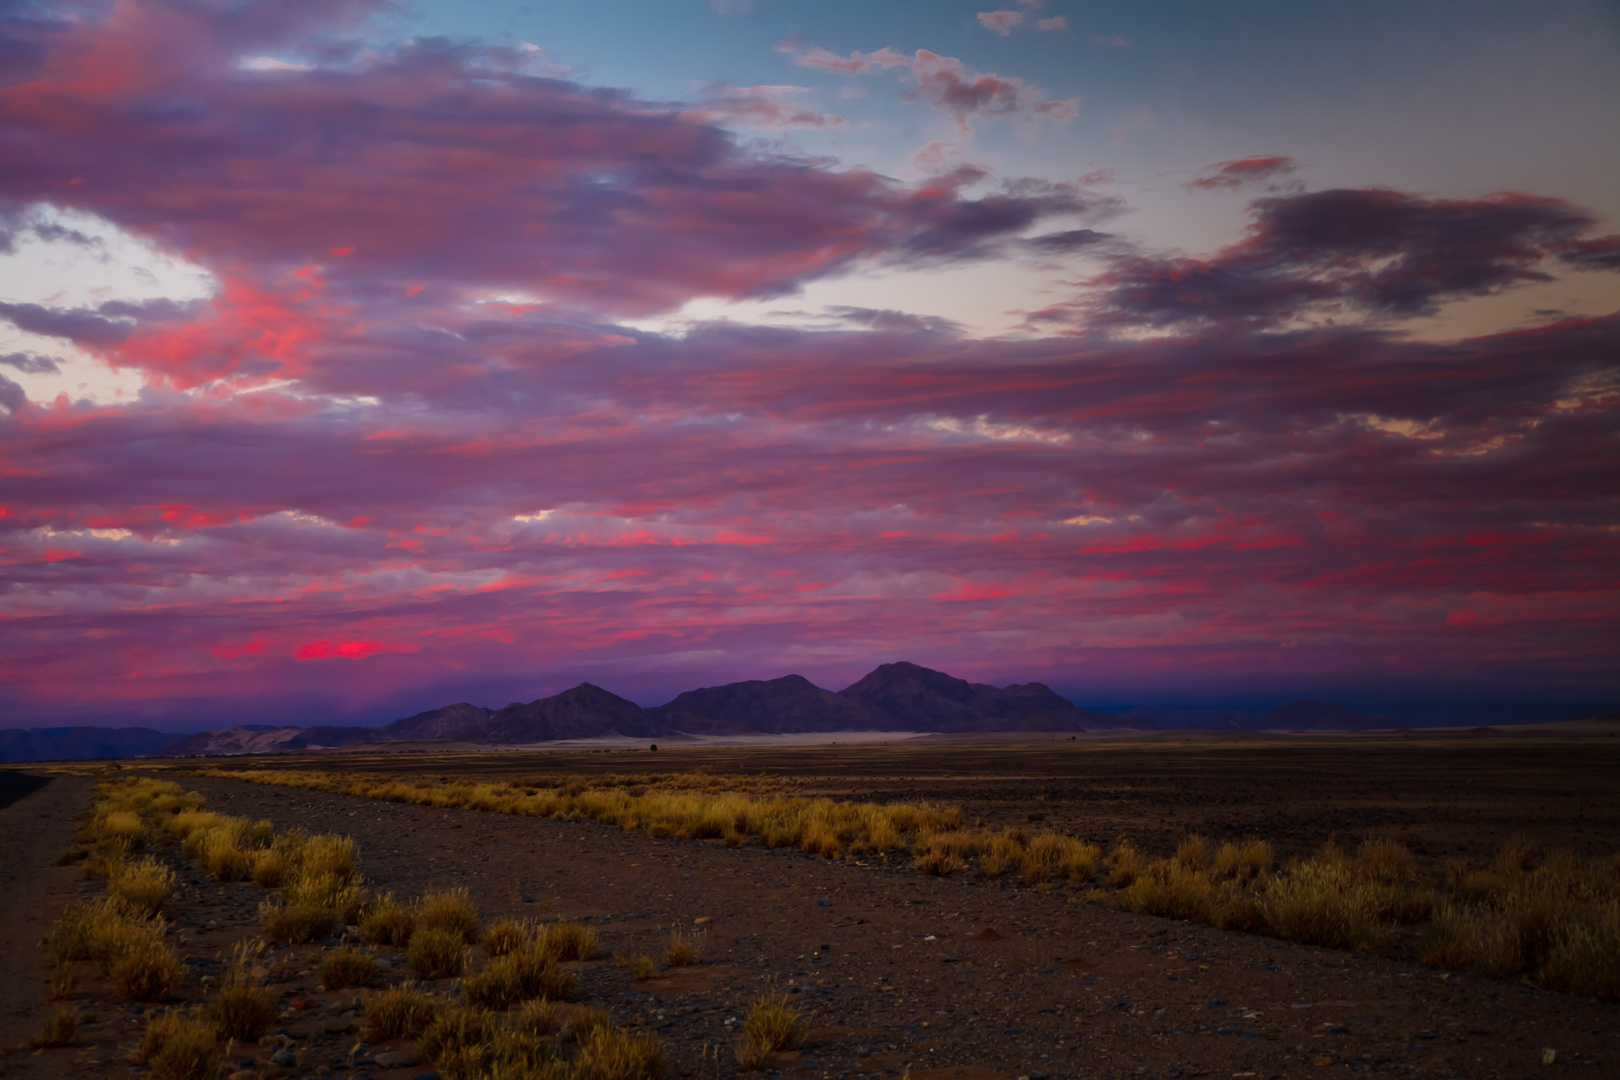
x=409 y=448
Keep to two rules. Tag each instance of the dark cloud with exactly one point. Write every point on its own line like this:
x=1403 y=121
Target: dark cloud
x=12 y=397
x=30 y=364
x=1350 y=253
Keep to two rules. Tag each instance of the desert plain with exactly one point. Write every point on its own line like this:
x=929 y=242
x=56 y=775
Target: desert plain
x=896 y=973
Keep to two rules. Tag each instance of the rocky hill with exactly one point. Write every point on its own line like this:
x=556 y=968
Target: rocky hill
x=46 y=744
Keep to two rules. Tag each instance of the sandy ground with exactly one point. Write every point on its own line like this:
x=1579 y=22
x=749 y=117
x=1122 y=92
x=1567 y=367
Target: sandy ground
x=946 y=979
x=34 y=830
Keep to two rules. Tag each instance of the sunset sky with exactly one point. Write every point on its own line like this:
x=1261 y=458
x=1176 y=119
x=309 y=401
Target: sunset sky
x=357 y=358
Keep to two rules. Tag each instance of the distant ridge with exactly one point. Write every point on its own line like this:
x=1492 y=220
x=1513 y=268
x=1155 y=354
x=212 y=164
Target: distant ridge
x=898 y=697
x=44 y=744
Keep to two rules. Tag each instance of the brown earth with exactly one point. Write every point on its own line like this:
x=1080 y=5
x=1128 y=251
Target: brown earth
x=969 y=980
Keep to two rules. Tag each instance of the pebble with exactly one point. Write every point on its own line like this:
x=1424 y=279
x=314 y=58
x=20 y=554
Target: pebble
x=396 y=1059
x=285 y=1058
x=427 y=1076
x=339 y=1025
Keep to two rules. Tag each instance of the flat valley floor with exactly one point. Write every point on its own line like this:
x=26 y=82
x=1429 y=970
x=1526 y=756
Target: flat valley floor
x=944 y=979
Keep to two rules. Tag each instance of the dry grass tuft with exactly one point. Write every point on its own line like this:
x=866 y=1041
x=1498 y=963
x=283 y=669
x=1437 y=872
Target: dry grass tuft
x=683 y=951
x=449 y=912
x=1194 y=853
x=771 y=1026
x=606 y=1054
x=1172 y=889
x=566 y=941
x=644 y=968
x=437 y=954
x=57 y=1031
x=504 y=936
x=177 y=1047
x=1386 y=862
x=584 y=1022
x=459 y=1041
x=240 y=1008
x=1124 y=864
x=518 y=977
x=400 y=1012
x=1324 y=903
x=149 y=972
x=937 y=863
x=1243 y=863
x=388 y=922
x=538 y=1017
x=341 y=968
x=139 y=888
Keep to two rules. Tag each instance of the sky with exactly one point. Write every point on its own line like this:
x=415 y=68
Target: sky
x=357 y=358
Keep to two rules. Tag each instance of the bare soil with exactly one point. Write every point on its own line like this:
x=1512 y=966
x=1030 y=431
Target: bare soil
x=957 y=979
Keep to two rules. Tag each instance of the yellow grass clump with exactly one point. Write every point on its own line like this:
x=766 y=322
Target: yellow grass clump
x=400 y=1012
x=388 y=922
x=58 y=1030
x=345 y=967
x=179 y=1047
x=436 y=954
x=451 y=912
x=566 y=941
x=772 y=1025
x=683 y=951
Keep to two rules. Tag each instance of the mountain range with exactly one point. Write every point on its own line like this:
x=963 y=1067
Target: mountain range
x=900 y=697
x=897 y=697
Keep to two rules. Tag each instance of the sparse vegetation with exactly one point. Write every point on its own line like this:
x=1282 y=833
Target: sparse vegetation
x=683 y=951
x=400 y=1012
x=607 y=1054
x=566 y=941
x=644 y=968
x=179 y=1047
x=449 y=912
x=345 y=967
x=504 y=936
x=518 y=977
x=58 y=1030
x=771 y=1025
x=1522 y=916
x=436 y=954
x=388 y=922
x=240 y=1008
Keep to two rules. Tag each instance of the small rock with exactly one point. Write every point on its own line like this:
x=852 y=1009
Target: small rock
x=824 y=903
x=396 y=1059
x=243 y=1074
x=702 y=920
x=427 y=1076
x=339 y=1025
x=525 y=898
x=285 y=1058
x=1322 y=1062
x=1548 y=1056
x=258 y=971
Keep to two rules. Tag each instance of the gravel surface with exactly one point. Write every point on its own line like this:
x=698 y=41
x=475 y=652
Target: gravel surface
x=942 y=978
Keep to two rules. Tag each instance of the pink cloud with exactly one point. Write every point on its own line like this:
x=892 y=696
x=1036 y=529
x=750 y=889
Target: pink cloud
x=1243 y=172
x=760 y=107
x=1056 y=22
x=1001 y=22
x=946 y=83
